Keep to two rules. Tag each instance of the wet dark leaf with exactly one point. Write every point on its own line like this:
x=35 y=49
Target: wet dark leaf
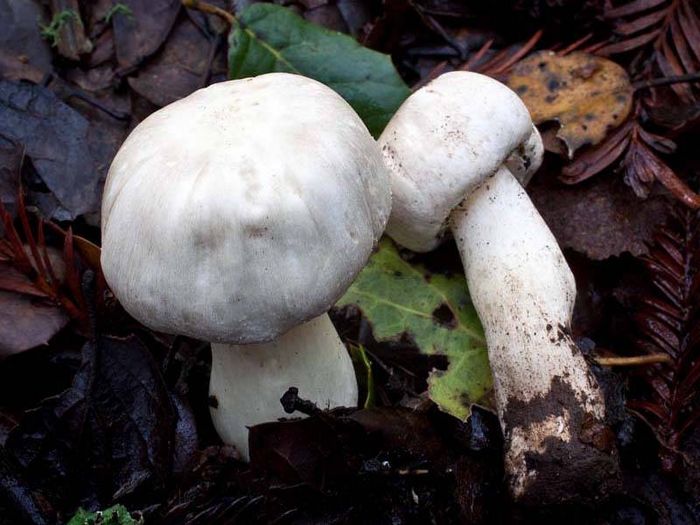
x=111 y=434
x=186 y=437
x=141 y=33
x=19 y=33
x=26 y=322
x=13 y=67
x=61 y=144
x=303 y=451
x=179 y=69
x=399 y=429
x=356 y=14
x=325 y=14
x=10 y=164
x=15 y=492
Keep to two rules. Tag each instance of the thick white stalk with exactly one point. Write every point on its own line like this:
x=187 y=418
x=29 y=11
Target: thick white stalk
x=247 y=381
x=523 y=290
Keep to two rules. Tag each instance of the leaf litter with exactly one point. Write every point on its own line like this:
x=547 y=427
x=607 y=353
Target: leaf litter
x=143 y=436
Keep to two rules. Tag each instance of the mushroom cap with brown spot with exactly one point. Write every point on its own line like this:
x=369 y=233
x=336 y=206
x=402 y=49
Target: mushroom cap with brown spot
x=242 y=210
x=444 y=141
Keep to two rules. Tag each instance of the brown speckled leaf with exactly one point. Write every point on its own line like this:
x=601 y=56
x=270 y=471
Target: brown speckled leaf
x=587 y=95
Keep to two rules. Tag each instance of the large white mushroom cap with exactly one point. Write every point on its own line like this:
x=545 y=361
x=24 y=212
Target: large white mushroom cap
x=242 y=210
x=441 y=145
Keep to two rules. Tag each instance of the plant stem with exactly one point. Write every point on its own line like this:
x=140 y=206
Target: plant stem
x=204 y=7
x=633 y=361
x=665 y=81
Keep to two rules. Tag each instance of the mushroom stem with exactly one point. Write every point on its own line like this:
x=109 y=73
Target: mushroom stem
x=247 y=381
x=549 y=404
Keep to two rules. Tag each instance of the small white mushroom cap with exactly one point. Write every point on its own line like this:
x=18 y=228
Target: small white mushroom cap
x=242 y=210
x=441 y=145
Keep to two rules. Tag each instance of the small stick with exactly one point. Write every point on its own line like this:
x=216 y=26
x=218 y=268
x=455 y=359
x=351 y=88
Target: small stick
x=633 y=361
x=665 y=81
x=575 y=45
x=204 y=7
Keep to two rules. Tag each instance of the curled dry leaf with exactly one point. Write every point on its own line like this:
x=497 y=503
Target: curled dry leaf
x=587 y=95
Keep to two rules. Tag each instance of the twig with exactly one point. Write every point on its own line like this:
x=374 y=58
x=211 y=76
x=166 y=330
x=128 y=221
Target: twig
x=467 y=66
x=633 y=361
x=665 y=81
x=204 y=7
x=575 y=45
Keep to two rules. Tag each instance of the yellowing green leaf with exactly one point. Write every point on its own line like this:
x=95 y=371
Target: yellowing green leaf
x=397 y=297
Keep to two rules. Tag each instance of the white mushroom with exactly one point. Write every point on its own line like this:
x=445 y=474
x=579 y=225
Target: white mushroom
x=453 y=149
x=239 y=215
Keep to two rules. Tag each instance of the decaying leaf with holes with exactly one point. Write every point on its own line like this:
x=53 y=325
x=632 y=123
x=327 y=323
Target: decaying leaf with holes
x=399 y=298
x=586 y=94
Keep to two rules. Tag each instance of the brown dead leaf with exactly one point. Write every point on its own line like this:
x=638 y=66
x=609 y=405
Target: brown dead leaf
x=180 y=68
x=600 y=217
x=587 y=95
x=28 y=317
x=88 y=250
x=26 y=322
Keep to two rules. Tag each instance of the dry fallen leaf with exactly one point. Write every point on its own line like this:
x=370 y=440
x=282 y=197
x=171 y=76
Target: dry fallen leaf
x=587 y=95
x=600 y=218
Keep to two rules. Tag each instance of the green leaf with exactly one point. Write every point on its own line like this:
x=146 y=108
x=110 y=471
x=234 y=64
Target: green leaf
x=436 y=311
x=117 y=515
x=269 y=38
